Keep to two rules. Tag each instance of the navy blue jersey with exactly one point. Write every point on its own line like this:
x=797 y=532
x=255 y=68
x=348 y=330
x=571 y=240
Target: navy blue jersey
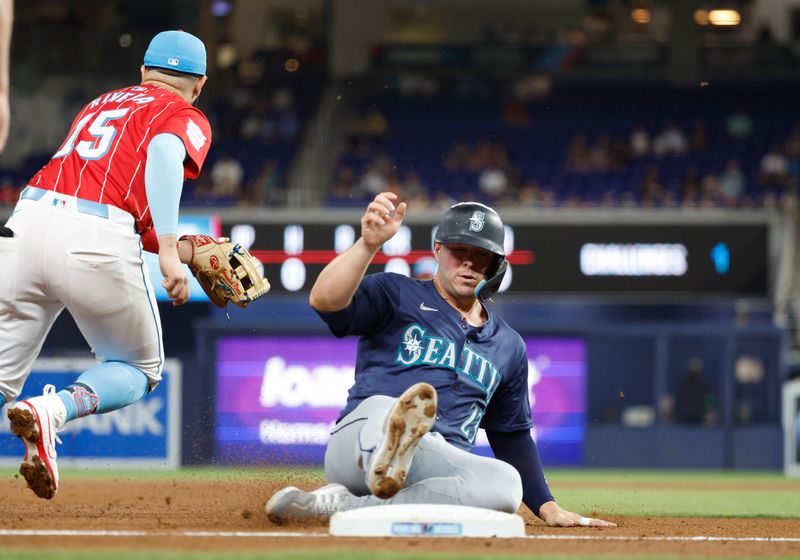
x=409 y=333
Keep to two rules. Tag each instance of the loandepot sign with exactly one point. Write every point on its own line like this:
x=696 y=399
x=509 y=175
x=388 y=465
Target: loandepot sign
x=277 y=398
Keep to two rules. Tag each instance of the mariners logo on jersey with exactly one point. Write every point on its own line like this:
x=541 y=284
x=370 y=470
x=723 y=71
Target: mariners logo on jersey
x=477 y=221
x=419 y=347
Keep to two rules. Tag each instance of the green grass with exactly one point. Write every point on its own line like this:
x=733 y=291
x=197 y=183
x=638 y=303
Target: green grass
x=678 y=493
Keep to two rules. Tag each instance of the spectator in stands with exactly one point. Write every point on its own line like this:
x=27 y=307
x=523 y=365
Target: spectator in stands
x=481 y=157
x=670 y=141
x=774 y=168
x=373 y=181
x=698 y=138
x=579 y=154
x=270 y=128
x=739 y=125
x=226 y=178
x=600 y=153
x=456 y=158
x=533 y=86
x=792 y=146
x=732 y=183
x=282 y=100
x=373 y=126
x=691 y=189
x=639 y=141
x=289 y=126
x=619 y=156
x=493 y=182
x=711 y=191
x=515 y=113
x=343 y=190
x=652 y=190
x=415 y=191
x=253 y=121
x=528 y=193
x=265 y=188
x=692 y=404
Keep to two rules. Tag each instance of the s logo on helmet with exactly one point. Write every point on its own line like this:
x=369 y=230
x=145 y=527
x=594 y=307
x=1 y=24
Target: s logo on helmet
x=477 y=221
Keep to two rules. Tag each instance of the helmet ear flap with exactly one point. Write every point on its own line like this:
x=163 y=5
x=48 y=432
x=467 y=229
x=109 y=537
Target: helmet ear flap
x=489 y=287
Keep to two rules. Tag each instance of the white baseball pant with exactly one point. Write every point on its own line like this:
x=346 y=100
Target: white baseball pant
x=83 y=256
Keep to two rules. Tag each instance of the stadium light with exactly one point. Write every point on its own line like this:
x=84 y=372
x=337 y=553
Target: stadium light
x=701 y=17
x=641 y=15
x=724 y=17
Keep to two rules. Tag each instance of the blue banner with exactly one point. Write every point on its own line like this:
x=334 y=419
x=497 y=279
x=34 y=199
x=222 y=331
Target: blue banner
x=144 y=434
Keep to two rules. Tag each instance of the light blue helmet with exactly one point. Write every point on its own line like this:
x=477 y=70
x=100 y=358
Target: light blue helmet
x=177 y=50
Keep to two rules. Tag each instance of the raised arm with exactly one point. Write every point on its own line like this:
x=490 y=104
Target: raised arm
x=339 y=280
x=6 y=24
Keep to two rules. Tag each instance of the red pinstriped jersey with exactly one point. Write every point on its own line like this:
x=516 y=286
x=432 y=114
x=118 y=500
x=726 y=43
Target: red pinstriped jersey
x=104 y=156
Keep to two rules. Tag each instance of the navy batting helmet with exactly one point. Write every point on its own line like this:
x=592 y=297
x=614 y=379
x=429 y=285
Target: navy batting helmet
x=477 y=225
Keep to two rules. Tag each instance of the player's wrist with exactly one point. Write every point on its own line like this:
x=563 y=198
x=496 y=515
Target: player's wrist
x=371 y=248
x=547 y=509
x=185 y=251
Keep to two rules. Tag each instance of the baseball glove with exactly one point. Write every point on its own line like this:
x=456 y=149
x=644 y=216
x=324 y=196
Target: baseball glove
x=226 y=271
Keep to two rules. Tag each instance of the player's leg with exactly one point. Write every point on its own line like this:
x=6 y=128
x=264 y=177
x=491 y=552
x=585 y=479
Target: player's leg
x=27 y=312
x=439 y=474
x=353 y=441
x=444 y=474
x=119 y=320
x=388 y=432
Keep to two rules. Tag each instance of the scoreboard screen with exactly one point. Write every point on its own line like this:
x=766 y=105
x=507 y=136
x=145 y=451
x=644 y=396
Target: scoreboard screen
x=686 y=259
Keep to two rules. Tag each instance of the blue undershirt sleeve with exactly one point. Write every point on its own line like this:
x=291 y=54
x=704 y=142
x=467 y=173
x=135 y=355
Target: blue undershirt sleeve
x=163 y=181
x=519 y=450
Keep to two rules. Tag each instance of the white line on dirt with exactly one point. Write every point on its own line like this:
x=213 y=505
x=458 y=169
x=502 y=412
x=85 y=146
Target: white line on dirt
x=289 y=534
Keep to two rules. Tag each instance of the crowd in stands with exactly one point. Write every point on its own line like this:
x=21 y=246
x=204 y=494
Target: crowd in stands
x=529 y=143
x=434 y=149
x=257 y=127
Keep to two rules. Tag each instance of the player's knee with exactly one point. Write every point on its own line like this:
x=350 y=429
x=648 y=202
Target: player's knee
x=152 y=370
x=510 y=497
x=499 y=490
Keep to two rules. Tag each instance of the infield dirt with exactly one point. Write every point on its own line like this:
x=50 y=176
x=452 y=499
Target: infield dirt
x=168 y=507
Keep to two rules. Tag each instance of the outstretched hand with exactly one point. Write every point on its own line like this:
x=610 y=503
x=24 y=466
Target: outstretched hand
x=556 y=516
x=381 y=220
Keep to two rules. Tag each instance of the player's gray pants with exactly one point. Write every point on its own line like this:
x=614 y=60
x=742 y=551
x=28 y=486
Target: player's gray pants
x=440 y=473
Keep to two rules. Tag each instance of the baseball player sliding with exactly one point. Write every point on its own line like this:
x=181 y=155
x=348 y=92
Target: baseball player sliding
x=433 y=364
x=75 y=241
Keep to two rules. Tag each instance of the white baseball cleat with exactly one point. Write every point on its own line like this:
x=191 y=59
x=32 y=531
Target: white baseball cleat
x=411 y=417
x=35 y=421
x=292 y=504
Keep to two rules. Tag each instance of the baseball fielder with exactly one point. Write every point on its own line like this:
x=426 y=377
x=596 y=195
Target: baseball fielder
x=434 y=363
x=75 y=241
